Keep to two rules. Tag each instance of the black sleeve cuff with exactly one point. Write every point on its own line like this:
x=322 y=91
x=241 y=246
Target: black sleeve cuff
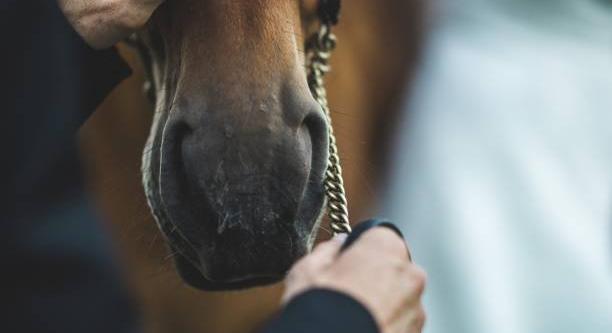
x=322 y=311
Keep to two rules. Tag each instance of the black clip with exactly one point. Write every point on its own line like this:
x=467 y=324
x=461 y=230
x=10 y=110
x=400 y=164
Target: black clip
x=362 y=227
x=329 y=11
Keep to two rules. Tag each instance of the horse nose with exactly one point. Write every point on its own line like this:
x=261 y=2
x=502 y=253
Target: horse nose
x=246 y=169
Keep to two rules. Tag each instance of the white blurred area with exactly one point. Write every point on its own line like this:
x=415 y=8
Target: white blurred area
x=503 y=177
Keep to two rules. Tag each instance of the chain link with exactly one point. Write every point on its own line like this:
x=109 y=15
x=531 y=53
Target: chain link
x=319 y=50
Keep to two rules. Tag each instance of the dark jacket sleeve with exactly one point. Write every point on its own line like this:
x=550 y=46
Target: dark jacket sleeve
x=323 y=311
x=60 y=273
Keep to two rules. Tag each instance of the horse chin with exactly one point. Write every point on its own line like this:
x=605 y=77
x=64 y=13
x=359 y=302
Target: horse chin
x=231 y=265
x=236 y=259
x=193 y=276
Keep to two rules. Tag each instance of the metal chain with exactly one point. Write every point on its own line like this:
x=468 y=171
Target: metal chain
x=319 y=50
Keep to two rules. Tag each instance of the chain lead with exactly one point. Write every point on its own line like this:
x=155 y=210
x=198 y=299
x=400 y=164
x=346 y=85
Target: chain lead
x=318 y=53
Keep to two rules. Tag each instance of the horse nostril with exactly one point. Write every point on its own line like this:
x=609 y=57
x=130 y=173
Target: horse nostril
x=316 y=124
x=175 y=133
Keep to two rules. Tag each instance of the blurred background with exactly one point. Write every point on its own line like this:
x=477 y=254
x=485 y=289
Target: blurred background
x=480 y=126
x=502 y=168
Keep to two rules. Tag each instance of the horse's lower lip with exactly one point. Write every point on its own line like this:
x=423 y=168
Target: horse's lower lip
x=273 y=248
x=195 y=278
x=230 y=266
x=265 y=261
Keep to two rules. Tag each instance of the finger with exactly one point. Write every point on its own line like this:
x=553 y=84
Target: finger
x=329 y=249
x=417 y=323
x=321 y=257
x=303 y=275
x=418 y=276
x=384 y=240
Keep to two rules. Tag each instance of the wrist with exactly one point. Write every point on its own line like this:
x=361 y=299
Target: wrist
x=322 y=309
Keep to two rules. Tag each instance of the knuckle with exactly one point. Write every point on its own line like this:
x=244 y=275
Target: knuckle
x=419 y=278
x=396 y=265
x=421 y=274
x=389 y=242
x=383 y=241
x=397 y=244
x=378 y=235
x=420 y=319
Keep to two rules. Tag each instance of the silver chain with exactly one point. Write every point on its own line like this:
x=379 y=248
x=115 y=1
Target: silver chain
x=318 y=53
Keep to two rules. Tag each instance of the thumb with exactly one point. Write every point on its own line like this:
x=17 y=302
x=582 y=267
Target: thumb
x=326 y=251
x=329 y=248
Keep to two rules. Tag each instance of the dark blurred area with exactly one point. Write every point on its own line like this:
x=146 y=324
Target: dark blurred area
x=58 y=261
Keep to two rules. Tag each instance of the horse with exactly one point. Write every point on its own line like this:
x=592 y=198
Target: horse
x=237 y=144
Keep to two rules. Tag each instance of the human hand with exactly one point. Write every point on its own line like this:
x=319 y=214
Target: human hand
x=102 y=23
x=375 y=271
